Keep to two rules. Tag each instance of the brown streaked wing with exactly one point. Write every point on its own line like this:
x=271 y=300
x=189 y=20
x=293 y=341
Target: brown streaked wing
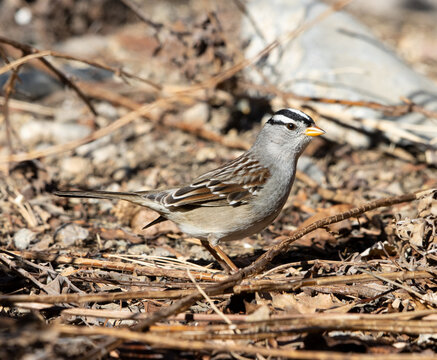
x=232 y=184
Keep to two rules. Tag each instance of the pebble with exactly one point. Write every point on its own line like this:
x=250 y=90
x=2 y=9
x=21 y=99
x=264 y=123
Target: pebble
x=139 y=249
x=71 y=234
x=23 y=238
x=198 y=113
x=107 y=110
x=75 y=165
x=84 y=46
x=307 y=166
x=105 y=153
x=35 y=132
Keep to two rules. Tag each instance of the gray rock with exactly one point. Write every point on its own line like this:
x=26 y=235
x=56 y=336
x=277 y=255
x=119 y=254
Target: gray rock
x=33 y=84
x=139 y=249
x=339 y=58
x=85 y=46
x=307 y=165
x=196 y=114
x=35 y=132
x=104 y=153
x=71 y=234
x=94 y=145
x=23 y=238
x=75 y=165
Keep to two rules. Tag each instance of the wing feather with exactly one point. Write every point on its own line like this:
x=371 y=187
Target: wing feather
x=230 y=185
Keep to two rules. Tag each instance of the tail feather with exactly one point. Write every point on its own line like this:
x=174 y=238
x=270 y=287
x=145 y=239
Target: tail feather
x=136 y=198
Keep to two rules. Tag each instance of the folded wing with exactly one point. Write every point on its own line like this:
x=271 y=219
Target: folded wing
x=230 y=185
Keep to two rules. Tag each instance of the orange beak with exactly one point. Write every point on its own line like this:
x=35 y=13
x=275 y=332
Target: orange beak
x=314 y=131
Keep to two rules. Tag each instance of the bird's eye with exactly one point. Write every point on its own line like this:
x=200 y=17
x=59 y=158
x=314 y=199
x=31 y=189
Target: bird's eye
x=291 y=126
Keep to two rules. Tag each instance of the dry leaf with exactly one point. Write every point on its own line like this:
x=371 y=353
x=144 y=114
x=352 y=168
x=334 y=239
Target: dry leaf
x=321 y=236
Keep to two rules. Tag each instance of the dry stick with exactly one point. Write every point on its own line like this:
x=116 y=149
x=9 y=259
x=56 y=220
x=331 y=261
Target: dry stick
x=388 y=110
x=120 y=266
x=277 y=285
x=22 y=60
x=35 y=53
x=124 y=120
x=253 y=286
x=257 y=266
x=402 y=286
x=9 y=86
x=100 y=297
x=12 y=265
x=43 y=269
x=137 y=11
x=172 y=342
x=29 y=107
x=26 y=49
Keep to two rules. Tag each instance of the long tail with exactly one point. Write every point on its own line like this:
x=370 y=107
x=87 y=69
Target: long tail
x=136 y=198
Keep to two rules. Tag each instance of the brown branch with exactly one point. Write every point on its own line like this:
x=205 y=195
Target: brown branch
x=172 y=342
x=36 y=54
x=251 y=286
x=389 y=110
x=100 y=297
x=290 y=285
x=119 y=123
x=120 y=266
x=25 y=274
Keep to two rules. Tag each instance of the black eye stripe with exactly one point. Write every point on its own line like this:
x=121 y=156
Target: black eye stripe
x=277 y=122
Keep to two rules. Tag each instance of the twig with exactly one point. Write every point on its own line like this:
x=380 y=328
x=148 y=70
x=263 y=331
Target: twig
x=28 y=106
x=124 y=120
x=121 y=266
x=35 y=54
x=4 y=259
x=389 y=110
x=402 y=286
x=137 y=11
x=208 y=299
x=172 y=342
x=275 y=285
x=100 y=297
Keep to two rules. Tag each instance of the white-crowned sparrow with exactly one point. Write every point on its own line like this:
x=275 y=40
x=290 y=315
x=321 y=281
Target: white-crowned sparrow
x=237 y=199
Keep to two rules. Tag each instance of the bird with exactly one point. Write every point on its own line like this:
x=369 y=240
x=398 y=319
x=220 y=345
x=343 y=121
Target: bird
x=237 y=199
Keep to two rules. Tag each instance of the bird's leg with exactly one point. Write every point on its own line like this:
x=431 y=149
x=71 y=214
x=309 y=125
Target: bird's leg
x=218 y=254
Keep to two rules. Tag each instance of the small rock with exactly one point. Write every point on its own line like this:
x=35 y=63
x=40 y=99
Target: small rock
x=67 y=111
x=43 y=244
x=206 y=153
x=35 y=132
x=71 y=234
x=198 y=113
x=105 y=153
x=23 y=238
x=139 y=249
x=307 y=165
x=107 y=110
x=75 y=165
x=85 y=46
